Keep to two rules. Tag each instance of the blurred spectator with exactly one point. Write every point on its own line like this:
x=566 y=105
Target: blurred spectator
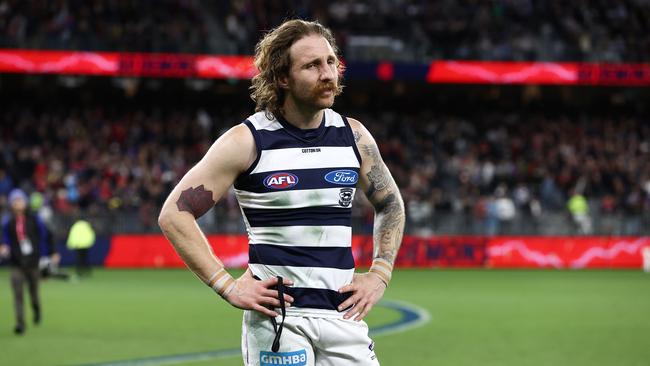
x=411 y=30
x=645 y=252
x=579 y=209
x=117 y=162
x=6 y=183
x=404 y=30
x=504 y=209
x=80 y=240
x=103 y=25
x=633 y=210
x=23 y=235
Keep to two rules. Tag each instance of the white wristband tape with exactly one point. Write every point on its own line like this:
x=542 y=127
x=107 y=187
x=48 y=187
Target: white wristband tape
x=382 y=268
x=221 y=282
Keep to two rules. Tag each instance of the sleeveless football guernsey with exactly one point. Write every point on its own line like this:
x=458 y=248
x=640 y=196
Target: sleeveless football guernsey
x=296 y=200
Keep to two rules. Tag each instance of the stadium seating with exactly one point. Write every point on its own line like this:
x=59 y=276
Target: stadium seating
x=411 y=31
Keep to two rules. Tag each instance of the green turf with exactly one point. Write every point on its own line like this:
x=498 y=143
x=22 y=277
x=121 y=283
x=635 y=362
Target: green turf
x=478 y=317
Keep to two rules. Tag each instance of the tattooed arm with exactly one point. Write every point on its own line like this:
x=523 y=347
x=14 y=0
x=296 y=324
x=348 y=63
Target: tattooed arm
x=195 y=194
x=382 y=192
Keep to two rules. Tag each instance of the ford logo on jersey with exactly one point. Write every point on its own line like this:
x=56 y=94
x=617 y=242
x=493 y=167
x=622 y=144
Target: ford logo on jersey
x=280 y=181
x=345 y=177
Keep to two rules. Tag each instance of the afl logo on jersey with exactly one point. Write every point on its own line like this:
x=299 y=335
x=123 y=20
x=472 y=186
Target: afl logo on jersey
x=342 y=177
x=280 y=181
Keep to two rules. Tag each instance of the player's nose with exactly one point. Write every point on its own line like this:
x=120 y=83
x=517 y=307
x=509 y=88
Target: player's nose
x=327 y=73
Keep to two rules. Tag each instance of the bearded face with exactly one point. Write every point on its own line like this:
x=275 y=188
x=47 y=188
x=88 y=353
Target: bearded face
x=313 y=77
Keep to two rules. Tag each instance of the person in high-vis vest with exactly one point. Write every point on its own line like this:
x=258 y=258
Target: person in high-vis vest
x=80 y=239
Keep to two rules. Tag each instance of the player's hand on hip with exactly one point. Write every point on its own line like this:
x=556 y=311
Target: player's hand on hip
x=367 y=289
x=252 y=294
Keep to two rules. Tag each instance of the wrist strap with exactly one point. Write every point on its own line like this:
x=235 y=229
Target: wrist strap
x=383 y=269
x=221 y=282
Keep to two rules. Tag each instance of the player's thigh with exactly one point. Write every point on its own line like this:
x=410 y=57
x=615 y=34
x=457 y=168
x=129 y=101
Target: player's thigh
x=344 y=342
x=257 y=339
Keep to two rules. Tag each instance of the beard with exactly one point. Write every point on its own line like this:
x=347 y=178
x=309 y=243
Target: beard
x=316 y=97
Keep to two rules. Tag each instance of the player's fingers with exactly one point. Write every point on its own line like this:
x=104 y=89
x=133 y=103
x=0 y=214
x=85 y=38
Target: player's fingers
x=265 y=311
x=347 y=288
x=350 y=314
x=353 y=310
x=269 y=293
x=272 y=301
x=347 y=303
x=269 y=282
x=274 y=294
x=360 y=316
x=363 y=313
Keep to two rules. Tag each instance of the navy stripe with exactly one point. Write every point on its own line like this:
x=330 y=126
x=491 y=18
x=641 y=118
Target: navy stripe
x=308 y=216
x=307 y=179
x=310 y=135
x=316 y=298
x=282 y=139
x=282 y=255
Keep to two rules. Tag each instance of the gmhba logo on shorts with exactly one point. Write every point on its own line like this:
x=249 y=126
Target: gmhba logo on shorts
x=343 y=177
x=297 y=358
x=280 y=180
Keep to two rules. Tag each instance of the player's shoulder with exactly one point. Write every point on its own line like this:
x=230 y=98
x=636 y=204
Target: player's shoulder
x=354 y=123
x=360 y=132
x=234 y=141
x=236 y=147
x=239 y=134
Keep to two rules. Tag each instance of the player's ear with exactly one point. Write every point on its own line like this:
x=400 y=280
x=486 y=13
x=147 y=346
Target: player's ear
x=283 y=82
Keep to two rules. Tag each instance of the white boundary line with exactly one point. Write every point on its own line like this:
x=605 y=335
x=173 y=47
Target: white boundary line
x=412 y=317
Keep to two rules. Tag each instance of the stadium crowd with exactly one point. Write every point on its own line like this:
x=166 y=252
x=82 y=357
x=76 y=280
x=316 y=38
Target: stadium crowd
x=487 y=168
x=103 y=25
x=406 y=30
x=410 y=30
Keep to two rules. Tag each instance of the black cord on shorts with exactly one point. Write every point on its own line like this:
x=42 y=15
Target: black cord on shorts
x=278 y=330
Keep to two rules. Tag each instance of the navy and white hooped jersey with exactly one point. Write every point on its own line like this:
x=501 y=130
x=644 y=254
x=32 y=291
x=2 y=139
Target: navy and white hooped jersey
x=296 y=200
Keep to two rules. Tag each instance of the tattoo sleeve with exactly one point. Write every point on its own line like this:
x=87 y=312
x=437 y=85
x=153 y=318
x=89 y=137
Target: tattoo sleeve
x=384 y=195
x=196 y=201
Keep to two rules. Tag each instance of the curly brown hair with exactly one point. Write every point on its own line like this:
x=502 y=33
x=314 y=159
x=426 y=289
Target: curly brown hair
x=273 y=61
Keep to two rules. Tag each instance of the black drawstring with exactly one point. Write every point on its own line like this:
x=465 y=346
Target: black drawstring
x=278 y=330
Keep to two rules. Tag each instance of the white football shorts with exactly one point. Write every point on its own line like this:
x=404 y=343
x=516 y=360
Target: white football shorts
x=306 y=341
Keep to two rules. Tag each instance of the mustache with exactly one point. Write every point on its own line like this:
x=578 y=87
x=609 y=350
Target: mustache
x=327 y=86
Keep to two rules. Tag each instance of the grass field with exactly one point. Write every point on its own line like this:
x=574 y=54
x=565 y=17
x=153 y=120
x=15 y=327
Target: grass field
x=478 y=317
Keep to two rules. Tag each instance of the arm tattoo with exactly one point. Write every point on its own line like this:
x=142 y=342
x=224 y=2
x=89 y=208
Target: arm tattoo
x=389 y=227
x=357 y=136
x=196 y=201
x=377 y=175
x=383 y=193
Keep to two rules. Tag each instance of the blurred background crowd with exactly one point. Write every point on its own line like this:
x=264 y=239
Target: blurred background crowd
x=524 y=168
x=501 y=171
x=406 y=30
